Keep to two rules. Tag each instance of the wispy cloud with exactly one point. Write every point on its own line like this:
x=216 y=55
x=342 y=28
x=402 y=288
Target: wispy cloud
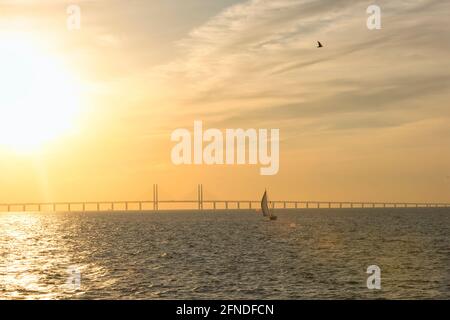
x=258 y=60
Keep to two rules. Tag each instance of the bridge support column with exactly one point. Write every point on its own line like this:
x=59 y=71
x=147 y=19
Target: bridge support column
x=155 y=197
x=200 y=196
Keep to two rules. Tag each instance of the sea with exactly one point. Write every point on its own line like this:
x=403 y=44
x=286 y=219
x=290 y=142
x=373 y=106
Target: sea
x=235 y=254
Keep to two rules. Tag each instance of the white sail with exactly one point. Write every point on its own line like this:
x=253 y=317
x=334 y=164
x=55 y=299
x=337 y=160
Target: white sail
x=264 y=206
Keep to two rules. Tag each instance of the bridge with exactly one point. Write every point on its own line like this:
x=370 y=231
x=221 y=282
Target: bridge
x=201 y=204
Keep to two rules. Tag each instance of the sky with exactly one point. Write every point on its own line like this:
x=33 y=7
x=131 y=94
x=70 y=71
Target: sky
x=365 y=118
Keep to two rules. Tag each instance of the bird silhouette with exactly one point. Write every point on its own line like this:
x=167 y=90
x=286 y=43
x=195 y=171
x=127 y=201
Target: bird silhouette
x=319 y=45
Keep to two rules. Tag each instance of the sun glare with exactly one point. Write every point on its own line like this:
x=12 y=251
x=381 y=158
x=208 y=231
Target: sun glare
x=38 y=97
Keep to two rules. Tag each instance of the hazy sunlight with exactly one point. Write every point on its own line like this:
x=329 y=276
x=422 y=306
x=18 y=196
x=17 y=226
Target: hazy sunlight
x=39 y=98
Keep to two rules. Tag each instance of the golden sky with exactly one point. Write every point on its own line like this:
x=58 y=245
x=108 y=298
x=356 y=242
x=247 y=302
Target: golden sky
x=87 y=114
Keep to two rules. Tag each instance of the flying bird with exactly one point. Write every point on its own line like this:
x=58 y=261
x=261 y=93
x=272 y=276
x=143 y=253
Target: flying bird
x=319 y=45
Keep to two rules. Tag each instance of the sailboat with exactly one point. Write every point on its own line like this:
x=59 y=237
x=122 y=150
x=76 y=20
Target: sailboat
x=265 y=208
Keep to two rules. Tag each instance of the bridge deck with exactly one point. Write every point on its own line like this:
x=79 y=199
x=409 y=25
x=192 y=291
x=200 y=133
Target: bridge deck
x=202 y=205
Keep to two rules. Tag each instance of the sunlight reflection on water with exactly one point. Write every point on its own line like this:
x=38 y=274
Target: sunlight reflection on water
x=307 y=254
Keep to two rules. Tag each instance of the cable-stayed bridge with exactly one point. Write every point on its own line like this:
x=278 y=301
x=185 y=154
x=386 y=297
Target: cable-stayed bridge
x=155 y=204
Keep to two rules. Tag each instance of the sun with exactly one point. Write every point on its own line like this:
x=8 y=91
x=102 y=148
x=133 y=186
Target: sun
x=39 y=98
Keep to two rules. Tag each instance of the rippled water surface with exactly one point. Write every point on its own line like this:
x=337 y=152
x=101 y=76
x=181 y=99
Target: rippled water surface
x=306 y=254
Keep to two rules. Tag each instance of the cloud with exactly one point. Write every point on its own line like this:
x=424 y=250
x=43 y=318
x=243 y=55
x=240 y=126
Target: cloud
x=257 y=60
